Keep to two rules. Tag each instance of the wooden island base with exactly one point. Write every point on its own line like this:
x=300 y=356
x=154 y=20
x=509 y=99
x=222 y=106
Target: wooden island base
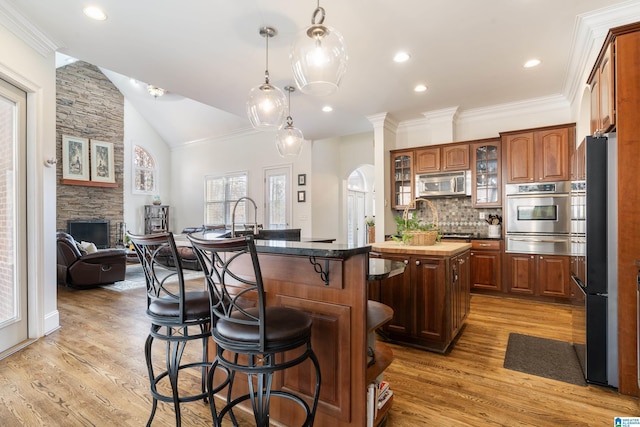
x=337 y=301
x=431 y=299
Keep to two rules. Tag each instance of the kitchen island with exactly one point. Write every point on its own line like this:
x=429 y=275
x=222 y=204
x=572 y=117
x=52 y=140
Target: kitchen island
x=329 y=281
x=431 y=299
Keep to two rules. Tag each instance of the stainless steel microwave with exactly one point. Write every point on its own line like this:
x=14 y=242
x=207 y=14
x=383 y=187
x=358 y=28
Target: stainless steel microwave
x=444 y=184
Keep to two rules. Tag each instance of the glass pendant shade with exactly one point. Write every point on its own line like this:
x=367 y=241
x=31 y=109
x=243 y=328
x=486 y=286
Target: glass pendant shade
x=266 y=107
x=319 y=60
x=289 y=141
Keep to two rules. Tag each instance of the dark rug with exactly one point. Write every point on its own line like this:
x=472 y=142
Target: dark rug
x=556 y=360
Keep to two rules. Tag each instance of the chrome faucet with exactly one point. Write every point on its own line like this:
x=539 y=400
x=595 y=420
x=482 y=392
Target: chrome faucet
x=233 y=216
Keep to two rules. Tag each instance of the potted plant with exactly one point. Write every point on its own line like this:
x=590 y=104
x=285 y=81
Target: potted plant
x=371 y=227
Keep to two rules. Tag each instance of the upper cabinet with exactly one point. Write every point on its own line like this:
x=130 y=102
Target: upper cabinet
x=578 y=163
x=538 y=155
x=602 y=84
x=402 y=178
x=442 y=158
x=428 y=160
x=486 y=173
x=455 y=157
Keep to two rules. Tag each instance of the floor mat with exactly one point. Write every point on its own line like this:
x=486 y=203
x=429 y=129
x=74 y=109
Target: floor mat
x=543 y=357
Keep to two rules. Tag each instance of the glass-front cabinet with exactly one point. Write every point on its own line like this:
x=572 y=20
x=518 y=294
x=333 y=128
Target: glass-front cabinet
x=402 y=179
x=486 y=177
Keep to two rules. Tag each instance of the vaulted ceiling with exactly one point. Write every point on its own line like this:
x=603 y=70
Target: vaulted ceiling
x=208 y=54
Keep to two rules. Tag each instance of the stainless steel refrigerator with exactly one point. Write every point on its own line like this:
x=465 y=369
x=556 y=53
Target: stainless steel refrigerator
x=594 y=263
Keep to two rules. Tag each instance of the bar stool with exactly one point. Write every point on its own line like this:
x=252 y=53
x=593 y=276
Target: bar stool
x=178 y=316
x=245 y=326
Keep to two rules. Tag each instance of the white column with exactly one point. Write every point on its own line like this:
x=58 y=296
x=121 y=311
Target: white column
x=384 y=140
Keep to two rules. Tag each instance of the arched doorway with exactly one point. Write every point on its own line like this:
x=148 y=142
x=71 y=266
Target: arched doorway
x=360 y=203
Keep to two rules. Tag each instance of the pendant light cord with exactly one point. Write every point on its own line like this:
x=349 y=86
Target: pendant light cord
x=266 y=70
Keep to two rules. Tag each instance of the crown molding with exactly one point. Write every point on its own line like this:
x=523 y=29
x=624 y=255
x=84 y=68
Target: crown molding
x=25 y=30
x=384 y=120
x=589 y=33
x=520 y=108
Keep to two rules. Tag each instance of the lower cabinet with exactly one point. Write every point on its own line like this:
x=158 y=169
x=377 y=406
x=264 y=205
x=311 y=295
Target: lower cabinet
x=538 y=275
x=430 y=301
x=486 y=266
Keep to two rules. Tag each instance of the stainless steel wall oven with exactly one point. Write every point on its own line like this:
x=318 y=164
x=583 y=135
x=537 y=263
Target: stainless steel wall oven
x=538 y=218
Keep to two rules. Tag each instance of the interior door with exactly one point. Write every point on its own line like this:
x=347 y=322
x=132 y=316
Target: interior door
x=355 y=218
x=13 y=255
x=277 y=197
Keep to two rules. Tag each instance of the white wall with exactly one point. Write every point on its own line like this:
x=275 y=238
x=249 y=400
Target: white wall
x=137 y=131
x=34 y=71
x=250 y=152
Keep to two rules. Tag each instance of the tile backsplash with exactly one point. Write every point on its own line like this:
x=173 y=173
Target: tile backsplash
x=456 y=215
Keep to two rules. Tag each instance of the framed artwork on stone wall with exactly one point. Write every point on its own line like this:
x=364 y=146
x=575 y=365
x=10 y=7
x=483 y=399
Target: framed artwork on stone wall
x=102 y=162
x=75 y=158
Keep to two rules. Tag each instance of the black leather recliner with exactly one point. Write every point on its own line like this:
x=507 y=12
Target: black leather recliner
x=99 y=268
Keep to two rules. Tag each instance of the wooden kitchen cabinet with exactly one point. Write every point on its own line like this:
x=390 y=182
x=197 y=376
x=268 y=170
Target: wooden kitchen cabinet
x=602 y=85
x=460 y=291
x=428 y=160
x=430 y=301
x=455 y=157
x=486 y=264
x=538 y=275
x=537 y=155
x=402 y=178
x=442 y=158
x=486 y=174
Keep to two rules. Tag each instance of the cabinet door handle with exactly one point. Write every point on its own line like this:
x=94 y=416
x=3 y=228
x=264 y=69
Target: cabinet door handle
x=484 y=244
x=406 y=261
x=418 y=262
x=460 y=261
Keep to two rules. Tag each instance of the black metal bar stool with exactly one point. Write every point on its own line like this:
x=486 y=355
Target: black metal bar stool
x=245 y=326
x=178 y=316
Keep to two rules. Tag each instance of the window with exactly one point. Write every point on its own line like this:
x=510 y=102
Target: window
x=220 y=194
x=144 y=171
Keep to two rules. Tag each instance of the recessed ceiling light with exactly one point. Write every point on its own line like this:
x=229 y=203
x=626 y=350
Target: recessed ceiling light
x=532 y=63
x=401 y=57
x=327 y=108
x=420 y=88
x=94 y=12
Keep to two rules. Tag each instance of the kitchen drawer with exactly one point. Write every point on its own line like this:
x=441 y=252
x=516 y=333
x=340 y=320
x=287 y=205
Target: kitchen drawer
x=493 y=245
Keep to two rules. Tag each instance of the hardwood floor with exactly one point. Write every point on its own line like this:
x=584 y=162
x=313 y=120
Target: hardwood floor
x=91 y=372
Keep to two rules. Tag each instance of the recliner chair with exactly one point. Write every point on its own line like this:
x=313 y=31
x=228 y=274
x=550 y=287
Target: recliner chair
x=83 y=271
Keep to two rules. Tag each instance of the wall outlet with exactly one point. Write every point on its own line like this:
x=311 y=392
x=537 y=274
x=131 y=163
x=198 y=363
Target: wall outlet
x=481 y=215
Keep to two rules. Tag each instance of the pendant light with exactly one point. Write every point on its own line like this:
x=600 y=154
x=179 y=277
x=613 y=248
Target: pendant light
x=319 y=57
x=289 y=139
x=266 y=103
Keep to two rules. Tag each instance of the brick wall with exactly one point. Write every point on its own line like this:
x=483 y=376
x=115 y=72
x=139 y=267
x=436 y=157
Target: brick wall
x=89 y=106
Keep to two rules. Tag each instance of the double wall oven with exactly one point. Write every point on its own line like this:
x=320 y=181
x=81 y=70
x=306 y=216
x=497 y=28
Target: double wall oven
x=539 y=219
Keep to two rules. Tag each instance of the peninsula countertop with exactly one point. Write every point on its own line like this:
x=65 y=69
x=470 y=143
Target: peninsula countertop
x=303 y=248
x=439 y=249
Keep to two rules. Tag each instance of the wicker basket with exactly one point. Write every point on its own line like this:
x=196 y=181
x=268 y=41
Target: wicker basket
x=418 y=237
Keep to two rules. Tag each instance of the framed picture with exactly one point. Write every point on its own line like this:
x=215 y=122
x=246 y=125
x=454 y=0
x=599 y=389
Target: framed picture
x=102 y=162
x=302 y=196
x=302 y=179
x=75 y=158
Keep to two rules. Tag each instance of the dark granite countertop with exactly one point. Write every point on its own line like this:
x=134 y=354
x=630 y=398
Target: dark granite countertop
x=302 y=248
x=380 y=268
